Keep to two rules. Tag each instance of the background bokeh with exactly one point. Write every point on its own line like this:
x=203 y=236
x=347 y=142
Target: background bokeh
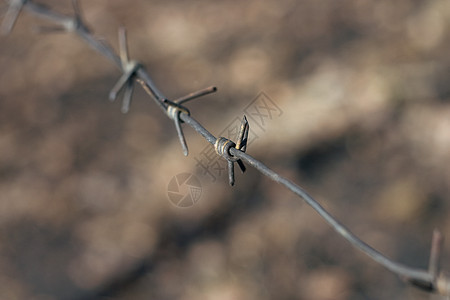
x=364 y=89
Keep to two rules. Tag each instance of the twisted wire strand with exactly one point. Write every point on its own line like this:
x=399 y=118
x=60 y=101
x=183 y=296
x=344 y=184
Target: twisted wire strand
x=429 y=280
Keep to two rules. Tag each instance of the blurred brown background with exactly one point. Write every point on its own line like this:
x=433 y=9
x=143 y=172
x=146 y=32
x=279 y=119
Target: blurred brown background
x=364 y=87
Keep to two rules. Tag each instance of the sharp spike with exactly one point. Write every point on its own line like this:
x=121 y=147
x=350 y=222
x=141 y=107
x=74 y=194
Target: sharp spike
x=436 y=248
x=241 y=166
x=123 y=47
x=243 y=135
x=129 y=89
x=11 y=16
x=230 y=172
x=196 y=94
x=120 y=84
x=181 y=135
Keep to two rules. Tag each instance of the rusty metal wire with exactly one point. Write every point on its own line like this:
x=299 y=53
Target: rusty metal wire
x=431 y=280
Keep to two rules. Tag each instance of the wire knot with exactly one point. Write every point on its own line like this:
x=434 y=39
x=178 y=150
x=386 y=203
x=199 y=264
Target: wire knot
x=222 y=147
x=174 y=110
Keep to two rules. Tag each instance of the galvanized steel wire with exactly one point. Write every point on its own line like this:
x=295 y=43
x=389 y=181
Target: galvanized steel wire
x=431 y=280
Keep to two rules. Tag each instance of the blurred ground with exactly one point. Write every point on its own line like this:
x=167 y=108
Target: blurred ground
x=363 y=86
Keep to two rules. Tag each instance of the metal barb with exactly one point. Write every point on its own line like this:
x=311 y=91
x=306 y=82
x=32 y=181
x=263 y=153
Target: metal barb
x=123 y=47
x=436 y=248
x=126 y=81
x=242 y=139
x=241 y=165
x=173 y=111
x=435 y=283
x=14 y=9
x=127 y=95
x=197 y=94
x=230 y=172
x=175 y=108
x=243 y=135
x=120 y=84
x=180 y=133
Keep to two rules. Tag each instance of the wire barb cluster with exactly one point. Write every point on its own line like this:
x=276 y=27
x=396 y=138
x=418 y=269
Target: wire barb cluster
x=126 y=81
x=432 y=280
x=224 y=145
x=176 y=107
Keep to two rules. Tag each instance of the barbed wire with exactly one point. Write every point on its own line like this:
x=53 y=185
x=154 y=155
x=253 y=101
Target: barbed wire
x=431 y=280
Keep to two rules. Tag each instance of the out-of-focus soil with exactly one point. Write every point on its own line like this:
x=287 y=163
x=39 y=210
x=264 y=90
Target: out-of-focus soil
x=363 y=124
